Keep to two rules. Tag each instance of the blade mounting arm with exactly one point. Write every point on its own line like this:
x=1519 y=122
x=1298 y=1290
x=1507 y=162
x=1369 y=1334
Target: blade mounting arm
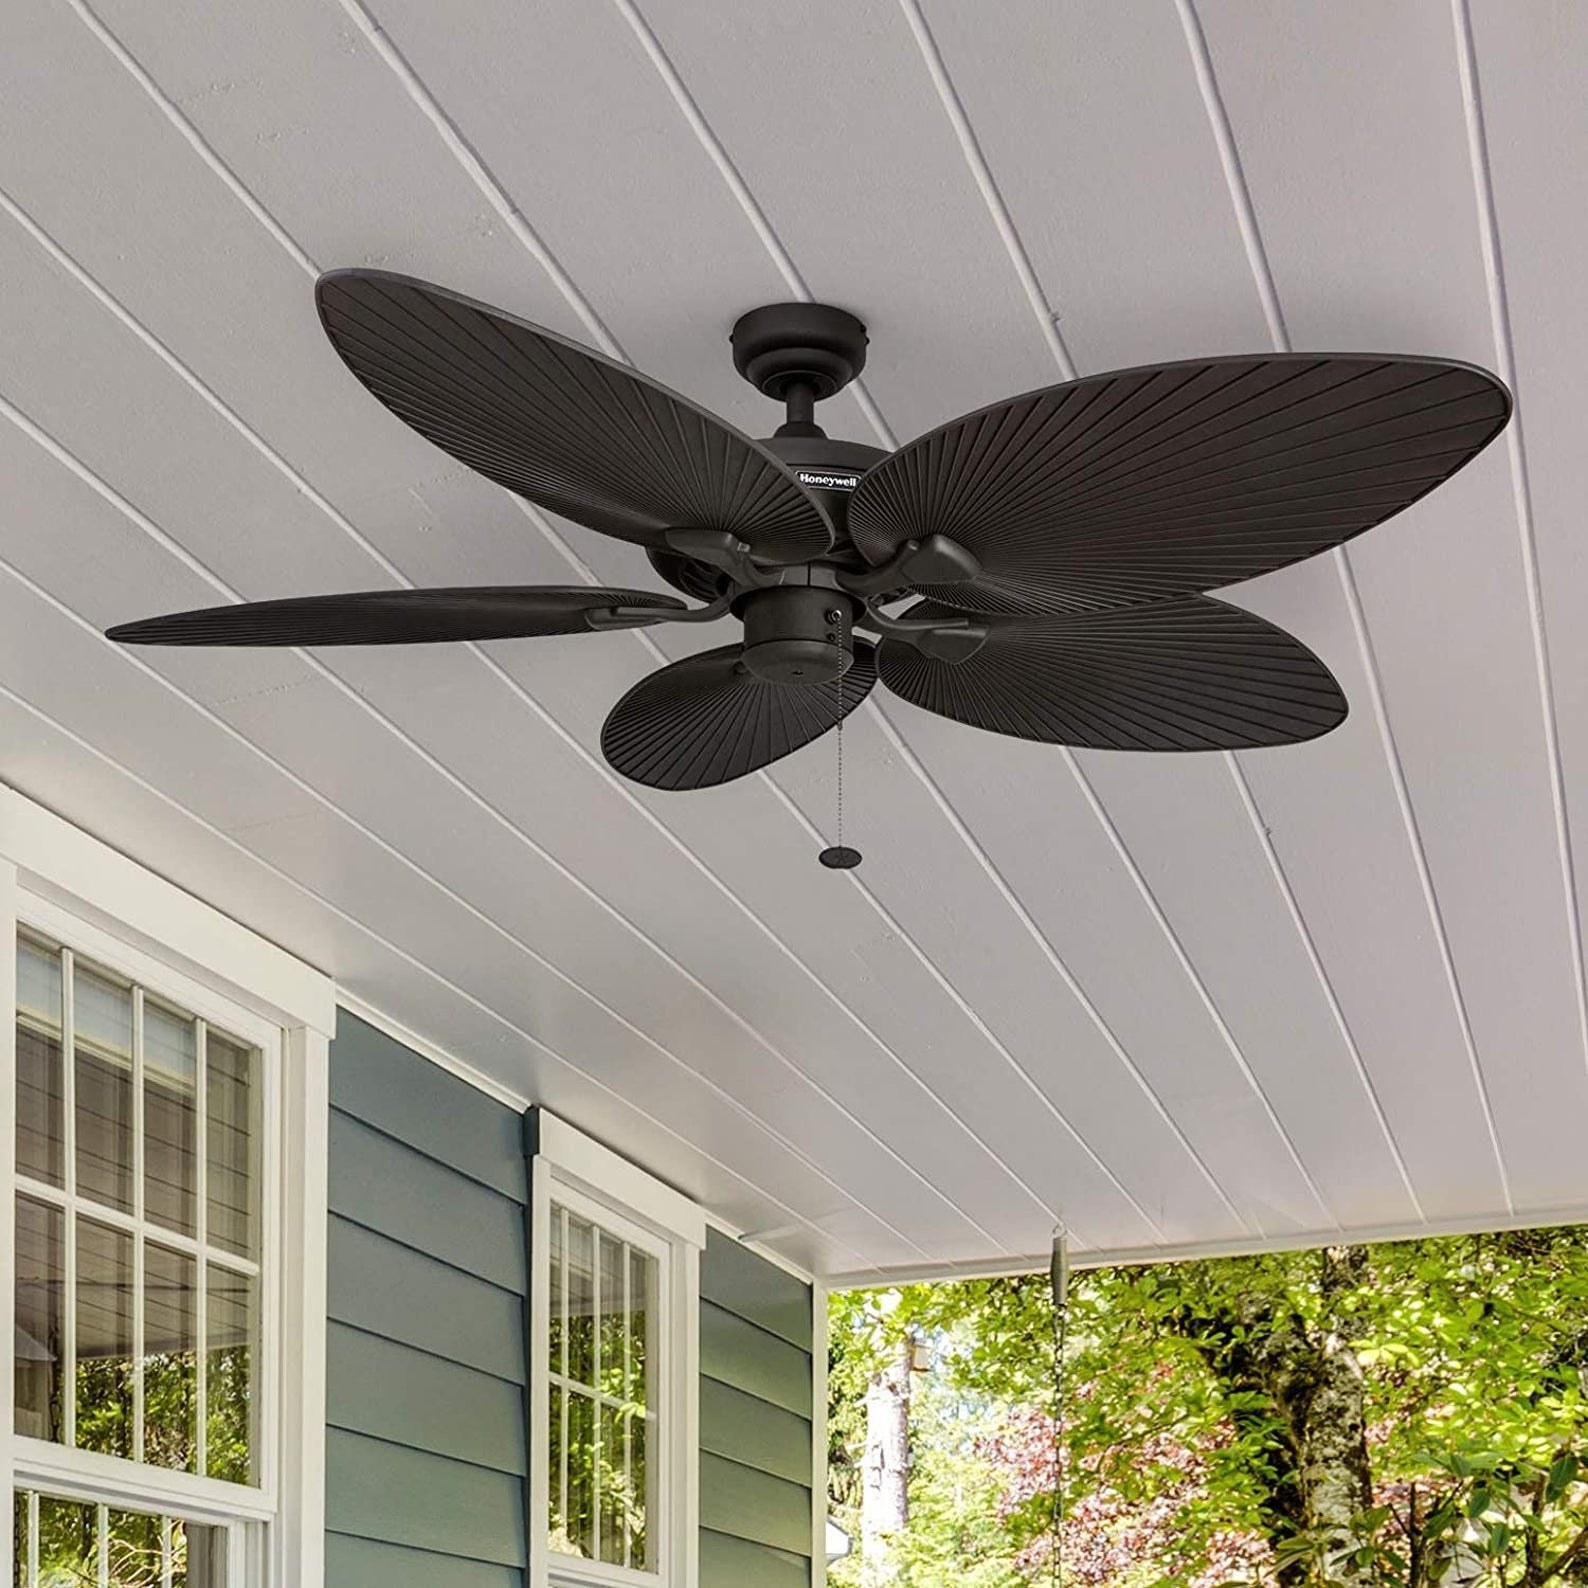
x=947 y=639
x=719 y=549
x=934 y=560
x=644 y=617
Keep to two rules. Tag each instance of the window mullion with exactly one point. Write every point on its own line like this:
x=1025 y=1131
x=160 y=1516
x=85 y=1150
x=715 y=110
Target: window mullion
x=628 y=1422
x=201 y=1156
x=102 y=1529
x=166 y=1562
x=567 y=1270
x=138 y=1215
x=69 y=1137
x=102 y=1213
x=32 y=1578
x=596 y=1407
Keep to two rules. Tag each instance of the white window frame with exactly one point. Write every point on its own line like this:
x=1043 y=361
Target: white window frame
x=570 y=1168
x=76 y=891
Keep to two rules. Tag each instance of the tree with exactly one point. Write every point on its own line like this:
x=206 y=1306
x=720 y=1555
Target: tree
x=885 y=1494
x=1395 y=1414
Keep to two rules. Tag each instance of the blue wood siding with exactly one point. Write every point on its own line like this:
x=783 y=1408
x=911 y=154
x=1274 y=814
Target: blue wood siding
x=756 y=1332
x=425 y=1366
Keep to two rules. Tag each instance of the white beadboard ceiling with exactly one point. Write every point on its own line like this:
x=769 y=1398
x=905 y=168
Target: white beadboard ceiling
x=1182 y=1003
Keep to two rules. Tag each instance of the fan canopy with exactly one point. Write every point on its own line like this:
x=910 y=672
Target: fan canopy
x=1056 y=546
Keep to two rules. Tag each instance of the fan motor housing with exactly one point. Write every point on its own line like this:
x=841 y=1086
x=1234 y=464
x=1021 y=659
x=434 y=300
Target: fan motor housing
x=797 y=634
x=830 y=470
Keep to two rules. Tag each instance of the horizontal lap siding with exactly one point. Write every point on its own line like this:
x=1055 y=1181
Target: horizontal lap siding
x=427 y=1286
x=756 y=1431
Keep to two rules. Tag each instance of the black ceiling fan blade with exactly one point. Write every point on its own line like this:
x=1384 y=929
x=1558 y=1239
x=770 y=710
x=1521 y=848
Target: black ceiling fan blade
x=560 y=425
x=707 y=720
x=395 y=617
x=1192 y=674
x=1147 y=484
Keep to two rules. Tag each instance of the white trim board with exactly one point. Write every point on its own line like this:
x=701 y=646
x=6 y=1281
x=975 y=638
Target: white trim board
x=66 y=865
x=568 y=1166
x=434 y=1054
x=1301 y=1241
x=749 y=1241
x=87 y=896
x=610 y=1178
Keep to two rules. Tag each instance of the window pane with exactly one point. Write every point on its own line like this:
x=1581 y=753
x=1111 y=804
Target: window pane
x=170 y=1118
x=104 y=1339
x=133 y=1550
x=556 y=1477
x=198 y=1555
x=68 y=1543
x=40 y=1315
x=600 y=1435
x=170 y=1358
x=580 y=1271
x=579 y=1523
x=41 y=1140
x=554 y=1310
x=230 y=1337
x=642 y=1488
x=230 y=1124
x=19 y=1539
x=615 y=1509
x=102 y=1038
x=642 y=1318
x=613 y=1326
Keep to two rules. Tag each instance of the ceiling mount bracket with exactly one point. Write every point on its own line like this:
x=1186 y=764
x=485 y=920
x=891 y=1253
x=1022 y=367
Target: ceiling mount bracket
x=799 y=353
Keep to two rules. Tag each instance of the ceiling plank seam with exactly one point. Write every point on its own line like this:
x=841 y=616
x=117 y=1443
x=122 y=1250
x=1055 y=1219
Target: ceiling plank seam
x=465 y=154
x=171 y=545
x=365 y=930
x=1047 y=321
x=479 y=173
x=1282 y=881
x=149 y=528
x=1268 y=295
x=698 y=124
x=122 y=314
x=739 y=188
x=1521 y=483
x=189 y=134
x=1065 y=975
x=481 y=176
x=987 y=185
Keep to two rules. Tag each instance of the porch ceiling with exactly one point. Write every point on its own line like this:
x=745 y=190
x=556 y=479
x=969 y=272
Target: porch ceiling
x=1184 y=1003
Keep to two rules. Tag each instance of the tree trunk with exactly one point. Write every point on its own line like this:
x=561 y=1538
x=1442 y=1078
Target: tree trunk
x=885 y=1501
x=1319 y=1479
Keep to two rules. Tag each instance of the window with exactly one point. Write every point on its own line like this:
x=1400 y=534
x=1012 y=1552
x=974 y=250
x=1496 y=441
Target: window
x=604 y=1369
x=613 y=1393
x=138 y=1261
x=59 y=1541
x=163 y=1118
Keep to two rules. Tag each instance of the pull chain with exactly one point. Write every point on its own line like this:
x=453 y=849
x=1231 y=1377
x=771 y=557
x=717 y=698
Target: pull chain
x=840 y=688
x=838 y=858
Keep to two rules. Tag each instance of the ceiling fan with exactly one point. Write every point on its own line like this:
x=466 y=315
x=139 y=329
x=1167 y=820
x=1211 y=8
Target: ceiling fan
x=1054 y=547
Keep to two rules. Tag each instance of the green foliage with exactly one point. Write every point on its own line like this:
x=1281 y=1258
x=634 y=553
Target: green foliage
x=1182 y=1429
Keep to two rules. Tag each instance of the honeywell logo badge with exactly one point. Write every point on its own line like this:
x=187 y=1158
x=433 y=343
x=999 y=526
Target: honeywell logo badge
x=827 y=479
